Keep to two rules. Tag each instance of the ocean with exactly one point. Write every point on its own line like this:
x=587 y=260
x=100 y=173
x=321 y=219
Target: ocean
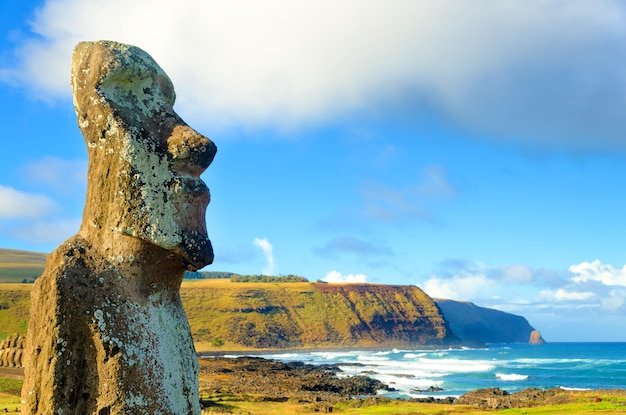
x=453 y=372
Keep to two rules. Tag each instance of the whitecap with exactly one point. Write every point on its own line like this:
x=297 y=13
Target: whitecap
x=372 y=358
x=512 y=377
x=566 y=388
x=413 y=355
x=407 y=385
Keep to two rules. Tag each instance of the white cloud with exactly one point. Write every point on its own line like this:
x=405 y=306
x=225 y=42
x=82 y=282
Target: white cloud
x=268 y=251
x=15 y=204
x=338 y=277
x=614 y=302
x=462 y=288
x=548 y=70
x=542 y=296
x=562 y=294
x=597 y=271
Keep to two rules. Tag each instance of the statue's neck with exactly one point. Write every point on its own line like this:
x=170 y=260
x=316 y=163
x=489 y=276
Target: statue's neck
x=152 y=268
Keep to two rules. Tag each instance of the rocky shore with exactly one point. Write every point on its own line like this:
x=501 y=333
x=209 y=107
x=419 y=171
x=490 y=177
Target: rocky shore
x=268 y=380
x=259 y=379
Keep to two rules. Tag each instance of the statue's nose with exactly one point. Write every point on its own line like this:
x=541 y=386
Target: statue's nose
x=191 y=152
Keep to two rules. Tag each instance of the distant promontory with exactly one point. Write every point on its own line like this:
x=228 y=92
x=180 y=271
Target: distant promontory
x=474 y=324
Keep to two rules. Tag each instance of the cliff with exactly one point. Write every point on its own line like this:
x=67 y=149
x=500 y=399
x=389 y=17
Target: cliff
x=474 y=324
x=311 y=315
x=238 y=316
x=243 y=316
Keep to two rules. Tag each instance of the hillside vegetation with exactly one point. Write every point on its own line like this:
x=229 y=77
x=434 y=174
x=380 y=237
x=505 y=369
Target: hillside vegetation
x=225 y=315
x=20 y=266
x=236 y=312
x=233 y=316
x=228 y=315
x=14 y=309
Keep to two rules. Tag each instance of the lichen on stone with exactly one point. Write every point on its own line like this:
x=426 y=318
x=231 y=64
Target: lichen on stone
x=108 y=333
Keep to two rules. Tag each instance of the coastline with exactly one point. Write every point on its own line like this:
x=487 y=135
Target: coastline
x=256 y=379
x=453 y=371
x=260 y=386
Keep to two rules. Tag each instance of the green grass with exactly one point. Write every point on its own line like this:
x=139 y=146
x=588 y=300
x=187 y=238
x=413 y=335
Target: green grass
x=229 y=316
x=14 y=309
x=11 y=386
x=249 y=405
x=10 y=394
x=307 y=315
x=9 y=403
x=16 y=266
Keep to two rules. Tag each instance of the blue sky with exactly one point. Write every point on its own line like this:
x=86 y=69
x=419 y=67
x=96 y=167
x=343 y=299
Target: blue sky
x=475 y=149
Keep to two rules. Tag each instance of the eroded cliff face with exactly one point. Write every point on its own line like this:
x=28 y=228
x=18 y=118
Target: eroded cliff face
x=535 y=338
x=290 y=315
x=474 y=324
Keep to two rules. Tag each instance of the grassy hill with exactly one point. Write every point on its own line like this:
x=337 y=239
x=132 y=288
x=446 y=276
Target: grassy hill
x=224 y=315
x=17 y=266
x=228 y=315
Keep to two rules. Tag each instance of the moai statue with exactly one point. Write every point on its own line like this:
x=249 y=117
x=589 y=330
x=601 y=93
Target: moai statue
x=18 y=358
x=108 y=333
x=11 y=357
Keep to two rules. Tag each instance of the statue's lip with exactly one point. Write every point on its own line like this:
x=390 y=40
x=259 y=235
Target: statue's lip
x=191 y=184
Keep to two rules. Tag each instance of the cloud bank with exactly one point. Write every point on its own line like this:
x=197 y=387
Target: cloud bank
x=15 y=204
x=541 y=71
x=592 y=291
x=44 y=219
x=597 y=271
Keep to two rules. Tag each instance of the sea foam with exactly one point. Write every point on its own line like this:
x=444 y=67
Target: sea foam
x=511 y=376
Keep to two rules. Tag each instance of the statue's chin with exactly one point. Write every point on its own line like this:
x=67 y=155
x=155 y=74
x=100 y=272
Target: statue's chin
x=196 y=252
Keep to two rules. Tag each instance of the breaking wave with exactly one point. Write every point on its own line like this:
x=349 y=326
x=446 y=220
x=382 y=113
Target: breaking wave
x=512 y=377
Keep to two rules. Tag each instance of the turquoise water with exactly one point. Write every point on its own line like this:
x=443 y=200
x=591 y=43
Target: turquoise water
x=511 y=367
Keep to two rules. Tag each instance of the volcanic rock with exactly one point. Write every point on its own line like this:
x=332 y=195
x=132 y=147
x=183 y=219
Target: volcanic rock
x=108 y=333
x=535 y=338
x=277 y=381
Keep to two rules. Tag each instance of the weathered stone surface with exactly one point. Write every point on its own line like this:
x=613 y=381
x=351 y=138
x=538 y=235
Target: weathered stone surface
x=535 y=338
x=108 y=333
x=277 y=381
x=496 y=398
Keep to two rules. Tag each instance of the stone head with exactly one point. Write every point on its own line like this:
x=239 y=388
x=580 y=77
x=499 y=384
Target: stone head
x=144 y=160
